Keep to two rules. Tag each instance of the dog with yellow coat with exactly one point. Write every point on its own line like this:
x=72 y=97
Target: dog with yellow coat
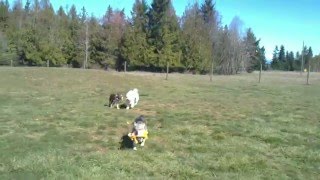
x=139 y=133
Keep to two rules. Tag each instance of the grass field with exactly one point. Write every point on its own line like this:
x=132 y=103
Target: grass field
x=54 y=125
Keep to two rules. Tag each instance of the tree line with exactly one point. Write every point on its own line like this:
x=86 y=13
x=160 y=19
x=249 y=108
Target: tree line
x=290 y=61
x=149 y=39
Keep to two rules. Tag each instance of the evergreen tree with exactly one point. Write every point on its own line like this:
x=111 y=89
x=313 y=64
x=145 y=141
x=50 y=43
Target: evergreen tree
x=96 y=44
x=96 y=54
x=27 y=7
x=108 y=16
x=73 y=49
x=208 y=12
x=50 y=39
x=262 y=58
x=290 y=61
x=297 y=62
x=275 y=64
x=282 y=58
x=83 y=38
x=134 y=46
x=286 y=65
x=309 y=55
x=4 y=16
x=114 y=24
x=164 y=34
x=212 y=26
x=63 y=31
x=315 y=63
x=194 y=46
x=4 y=24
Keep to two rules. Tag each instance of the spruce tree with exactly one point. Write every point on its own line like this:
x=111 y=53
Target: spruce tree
x=275 y=64
x=164 y=34
x=212 y=25
x=134 y=46
x=282 y=58
x=192 y=27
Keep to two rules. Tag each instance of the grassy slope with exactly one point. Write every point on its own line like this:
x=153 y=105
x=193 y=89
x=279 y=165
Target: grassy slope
x=53 y=124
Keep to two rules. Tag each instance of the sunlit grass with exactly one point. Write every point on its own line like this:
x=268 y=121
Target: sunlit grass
x=54 y=125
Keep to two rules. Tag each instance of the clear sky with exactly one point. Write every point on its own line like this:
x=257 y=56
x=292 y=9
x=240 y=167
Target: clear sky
x=275 y=22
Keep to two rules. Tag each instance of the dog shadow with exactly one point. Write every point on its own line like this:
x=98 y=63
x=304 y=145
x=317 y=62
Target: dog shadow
x=121 y=106
x=126 y=142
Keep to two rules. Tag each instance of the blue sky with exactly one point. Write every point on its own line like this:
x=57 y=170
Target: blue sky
x=275 y=22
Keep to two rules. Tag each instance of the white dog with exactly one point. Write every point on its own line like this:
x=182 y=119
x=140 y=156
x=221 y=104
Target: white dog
x=132 y=98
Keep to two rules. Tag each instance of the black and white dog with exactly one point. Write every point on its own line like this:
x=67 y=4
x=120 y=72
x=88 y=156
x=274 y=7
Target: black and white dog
x=115 y=100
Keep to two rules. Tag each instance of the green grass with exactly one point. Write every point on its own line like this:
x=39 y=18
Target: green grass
x=53 y=125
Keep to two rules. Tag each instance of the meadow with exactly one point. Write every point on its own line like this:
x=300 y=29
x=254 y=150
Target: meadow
x=54 y=125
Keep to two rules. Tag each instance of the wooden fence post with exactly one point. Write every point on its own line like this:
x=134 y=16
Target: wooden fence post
x=260 y=72
x=167 y=70
x=308 y=73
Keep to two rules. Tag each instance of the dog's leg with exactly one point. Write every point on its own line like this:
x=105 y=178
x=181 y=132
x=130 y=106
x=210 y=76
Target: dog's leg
x=118 y=106
x=143 y=141
x=128 y=104
x=135 y=142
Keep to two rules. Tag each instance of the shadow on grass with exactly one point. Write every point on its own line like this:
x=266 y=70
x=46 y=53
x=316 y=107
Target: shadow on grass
x=121 y=106
x=126 y=142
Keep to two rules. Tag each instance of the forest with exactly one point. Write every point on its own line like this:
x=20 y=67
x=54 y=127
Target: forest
x=151 y=38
